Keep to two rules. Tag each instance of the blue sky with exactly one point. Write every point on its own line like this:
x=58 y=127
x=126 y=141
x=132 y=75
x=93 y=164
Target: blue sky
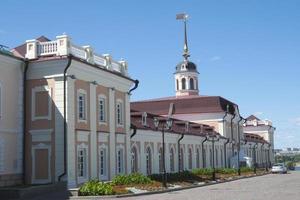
x=246 y=51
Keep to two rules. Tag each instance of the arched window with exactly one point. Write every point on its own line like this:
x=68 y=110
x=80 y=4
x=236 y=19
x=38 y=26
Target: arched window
x=172 y=161
x=210 y=158
x=198 y=158
x=204 y=158
x=217 y=160
x=190 y=159
x=181 y=159
x=183 y=83
x=222 y=161
x=177 y=84
x=192 y=87
x=160 y=160
x=134 y=160
x=148 y=161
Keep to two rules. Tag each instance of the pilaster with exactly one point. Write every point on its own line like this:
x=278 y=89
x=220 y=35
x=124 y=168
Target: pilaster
x=71 y=150
x=112 y=134
x=93 y=134
x=127 y=137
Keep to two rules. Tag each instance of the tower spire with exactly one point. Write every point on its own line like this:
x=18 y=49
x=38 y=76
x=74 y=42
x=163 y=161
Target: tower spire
x=184 y=17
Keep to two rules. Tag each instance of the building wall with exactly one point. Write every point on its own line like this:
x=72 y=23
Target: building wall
x=93 y=134
x=40 y=131
x=11 y=120
x=152 y=139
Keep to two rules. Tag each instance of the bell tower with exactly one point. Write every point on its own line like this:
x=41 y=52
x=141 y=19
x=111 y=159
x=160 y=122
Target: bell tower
x=186 y=74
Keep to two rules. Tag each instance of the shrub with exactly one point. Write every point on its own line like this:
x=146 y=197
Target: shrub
x=95 y=188
x=134 y=178
x=176 y=177
x=203 y=171
x=290 y=165
x=246 y=169
x=226 y=170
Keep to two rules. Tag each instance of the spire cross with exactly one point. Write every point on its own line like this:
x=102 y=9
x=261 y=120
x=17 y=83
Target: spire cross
x=184 y=17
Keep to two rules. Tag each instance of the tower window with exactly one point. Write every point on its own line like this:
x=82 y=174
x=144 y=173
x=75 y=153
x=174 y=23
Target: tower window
x=183 y=83
x=192 y=87
x=177 y=84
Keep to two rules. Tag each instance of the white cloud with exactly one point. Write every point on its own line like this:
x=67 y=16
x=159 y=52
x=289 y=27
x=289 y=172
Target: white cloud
x=295 y=121
x=215 y=58
x=258 y=113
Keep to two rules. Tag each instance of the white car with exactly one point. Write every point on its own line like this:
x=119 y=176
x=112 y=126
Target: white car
x=279 y=168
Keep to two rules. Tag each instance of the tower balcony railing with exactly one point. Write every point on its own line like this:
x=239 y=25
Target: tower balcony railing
x=63 y=46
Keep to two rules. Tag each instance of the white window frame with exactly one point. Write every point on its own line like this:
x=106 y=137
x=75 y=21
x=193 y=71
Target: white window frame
x=198 y=157
x=82 y=92
x=144 y=119
x=103 y=176
x=136 y=158
x=160 y=160
x=120 y=165
x=172 y=159
x=85 y=177
x=190 y=158
x=150 y=169
x=35 y=90
x=120 y=123
x=104 y=98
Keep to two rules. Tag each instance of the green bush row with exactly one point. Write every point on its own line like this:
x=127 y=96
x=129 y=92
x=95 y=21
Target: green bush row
x=174 y=177
x=134 y=178
x=96 y=188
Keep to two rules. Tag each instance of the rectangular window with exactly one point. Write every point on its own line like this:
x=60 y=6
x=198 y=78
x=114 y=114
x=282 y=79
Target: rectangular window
x=82 y=163
x=103 y=162
x=41 y=103
x=120 y=164
x=82 y=106
x=102 y=109
x=119 y=113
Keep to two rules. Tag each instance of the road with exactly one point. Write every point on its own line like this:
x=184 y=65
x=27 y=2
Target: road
x=269 y=187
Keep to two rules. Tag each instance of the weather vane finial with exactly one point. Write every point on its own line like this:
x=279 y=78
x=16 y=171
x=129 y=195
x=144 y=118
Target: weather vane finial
x=184 y=17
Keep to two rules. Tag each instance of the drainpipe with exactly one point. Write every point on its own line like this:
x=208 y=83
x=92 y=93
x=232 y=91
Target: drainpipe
x=225 y=151
x=178 y=143
x=269 y=148
x=231 y=130
x=261 y=153
x=136 y=84
x=202 y=146
x=226 y=113
x=239 y=144
x=134 y=130
x=65 y=114
x=24 y=115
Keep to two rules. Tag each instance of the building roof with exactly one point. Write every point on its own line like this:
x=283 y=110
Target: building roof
x=250 y=137
x=186 y=65
x=20 y=51
x=185 y=105
x=178 y=126
x=252 y=117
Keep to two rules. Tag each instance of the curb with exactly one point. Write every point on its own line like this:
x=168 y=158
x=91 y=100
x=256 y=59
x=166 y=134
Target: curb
x=167 y=190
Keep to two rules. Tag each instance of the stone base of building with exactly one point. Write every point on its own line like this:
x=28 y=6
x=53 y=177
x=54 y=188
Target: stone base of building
x=11 y=179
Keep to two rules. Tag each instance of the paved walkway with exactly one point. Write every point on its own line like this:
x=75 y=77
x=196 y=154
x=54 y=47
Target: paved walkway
x=269 y=187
